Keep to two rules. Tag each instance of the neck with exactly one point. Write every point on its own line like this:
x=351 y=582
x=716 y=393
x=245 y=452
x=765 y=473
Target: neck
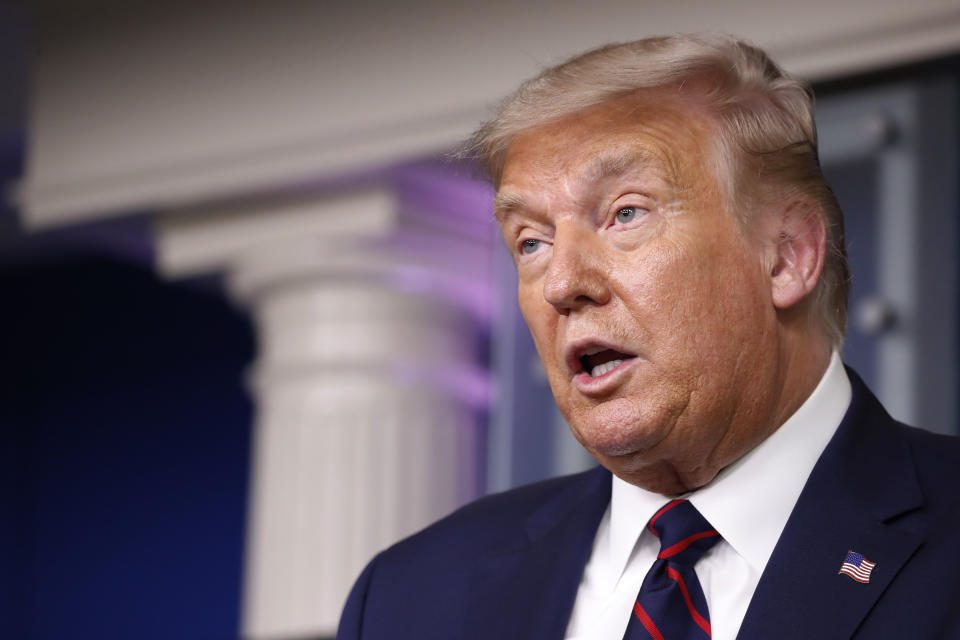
x=805 y=355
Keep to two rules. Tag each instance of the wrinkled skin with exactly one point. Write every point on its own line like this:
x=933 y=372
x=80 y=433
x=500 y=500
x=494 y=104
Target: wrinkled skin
x=622 y=238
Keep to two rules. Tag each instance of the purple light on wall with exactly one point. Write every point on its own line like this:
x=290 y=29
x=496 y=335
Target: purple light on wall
x=470 y=385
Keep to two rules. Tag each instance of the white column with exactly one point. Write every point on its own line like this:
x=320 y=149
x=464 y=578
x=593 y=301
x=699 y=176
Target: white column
x=365 y=387
x=356 y=443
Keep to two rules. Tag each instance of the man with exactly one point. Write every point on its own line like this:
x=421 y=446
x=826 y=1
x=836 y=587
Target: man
x=682 y=270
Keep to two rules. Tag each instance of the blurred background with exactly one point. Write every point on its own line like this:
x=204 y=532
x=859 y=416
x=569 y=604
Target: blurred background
x=256 y=325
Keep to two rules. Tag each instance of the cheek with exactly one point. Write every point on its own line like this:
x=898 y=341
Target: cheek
x=658 y=283
x=540 y=318
x=689 y=290
x=531 y=302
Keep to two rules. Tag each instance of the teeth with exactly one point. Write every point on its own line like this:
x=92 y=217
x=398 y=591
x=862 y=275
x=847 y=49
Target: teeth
x=606 y=367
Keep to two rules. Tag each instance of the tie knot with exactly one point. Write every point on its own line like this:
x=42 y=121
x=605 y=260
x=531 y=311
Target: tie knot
x=684 y=534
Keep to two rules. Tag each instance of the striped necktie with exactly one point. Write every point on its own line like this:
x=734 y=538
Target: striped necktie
x=670 y=605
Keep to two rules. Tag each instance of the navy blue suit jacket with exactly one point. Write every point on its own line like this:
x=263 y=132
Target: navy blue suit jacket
x=508 y=566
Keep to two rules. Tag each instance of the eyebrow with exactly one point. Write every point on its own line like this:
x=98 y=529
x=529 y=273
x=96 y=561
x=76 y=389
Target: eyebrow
x=608 y=165
x=506 y=203
x=614 y=165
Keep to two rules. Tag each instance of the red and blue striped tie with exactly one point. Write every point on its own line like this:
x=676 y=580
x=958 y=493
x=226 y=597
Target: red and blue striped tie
x=671 y=605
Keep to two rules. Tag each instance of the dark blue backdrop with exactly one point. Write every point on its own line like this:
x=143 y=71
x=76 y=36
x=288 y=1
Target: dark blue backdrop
x=126 y=443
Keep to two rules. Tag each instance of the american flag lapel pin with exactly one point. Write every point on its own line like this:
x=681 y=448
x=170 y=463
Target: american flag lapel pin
x=857 y=567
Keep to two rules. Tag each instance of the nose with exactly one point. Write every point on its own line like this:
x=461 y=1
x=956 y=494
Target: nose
x=576 y=276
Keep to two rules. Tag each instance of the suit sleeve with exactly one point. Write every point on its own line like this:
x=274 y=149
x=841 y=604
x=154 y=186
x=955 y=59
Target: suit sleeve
x=351 y=620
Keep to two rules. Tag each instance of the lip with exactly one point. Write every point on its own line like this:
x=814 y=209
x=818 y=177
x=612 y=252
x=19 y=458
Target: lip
x=601 y=385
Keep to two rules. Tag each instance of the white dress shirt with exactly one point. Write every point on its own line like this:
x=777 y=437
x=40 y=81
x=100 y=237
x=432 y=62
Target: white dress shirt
x=749 y=503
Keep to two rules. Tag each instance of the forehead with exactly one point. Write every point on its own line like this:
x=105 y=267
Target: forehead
x=650 y=131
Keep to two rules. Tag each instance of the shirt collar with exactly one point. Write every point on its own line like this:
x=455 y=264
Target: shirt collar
x=749 y=514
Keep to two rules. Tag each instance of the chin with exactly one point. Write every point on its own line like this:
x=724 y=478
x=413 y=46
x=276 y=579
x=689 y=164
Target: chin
x=617 y=429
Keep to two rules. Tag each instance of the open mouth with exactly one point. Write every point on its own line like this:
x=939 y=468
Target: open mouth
x=599 y=361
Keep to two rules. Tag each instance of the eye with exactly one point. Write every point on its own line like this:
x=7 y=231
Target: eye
x=529 y=246
x=627 y=214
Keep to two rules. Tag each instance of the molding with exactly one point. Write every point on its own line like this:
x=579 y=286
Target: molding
x=166 y=106
x=923 y=36
x=192 y=242
x=278 y=168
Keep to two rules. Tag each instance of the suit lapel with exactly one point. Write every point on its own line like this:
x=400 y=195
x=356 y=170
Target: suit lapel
x=864 y=479
x=526 y=590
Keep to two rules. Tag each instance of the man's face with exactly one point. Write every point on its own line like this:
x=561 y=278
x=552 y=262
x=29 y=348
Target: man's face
x=649 y=306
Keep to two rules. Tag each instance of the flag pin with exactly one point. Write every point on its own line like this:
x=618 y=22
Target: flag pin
x=857 y=567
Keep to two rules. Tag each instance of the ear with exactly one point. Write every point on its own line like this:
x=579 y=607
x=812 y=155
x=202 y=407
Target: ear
x=797 y=252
